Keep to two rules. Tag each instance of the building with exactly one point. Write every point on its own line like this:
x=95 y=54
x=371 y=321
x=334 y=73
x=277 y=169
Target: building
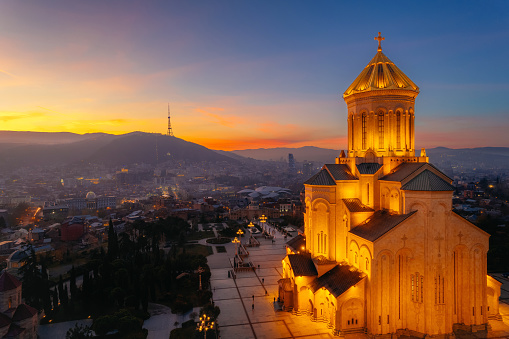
x=17 y=320
x=382 y=252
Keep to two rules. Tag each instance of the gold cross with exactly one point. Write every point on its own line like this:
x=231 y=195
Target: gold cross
x=379 y=38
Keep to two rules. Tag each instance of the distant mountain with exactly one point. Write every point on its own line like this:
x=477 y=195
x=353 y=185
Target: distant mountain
x=309 y=153
x=108 y=149
x=47 y=138
x=452 y=161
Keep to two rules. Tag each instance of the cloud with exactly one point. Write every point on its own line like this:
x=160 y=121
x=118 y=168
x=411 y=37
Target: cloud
x=227 y=120
x=17 y=116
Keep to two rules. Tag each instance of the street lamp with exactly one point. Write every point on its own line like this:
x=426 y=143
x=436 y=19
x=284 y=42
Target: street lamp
x=200 y=271
x=205 y=324
x=251 y=225
x=263 y=219
x=236 y=241
x=240 y=232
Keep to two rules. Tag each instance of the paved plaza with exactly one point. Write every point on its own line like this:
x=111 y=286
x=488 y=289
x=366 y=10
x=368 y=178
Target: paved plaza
x=243 y=316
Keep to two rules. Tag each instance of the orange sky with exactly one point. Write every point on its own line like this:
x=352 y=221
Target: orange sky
x=235 y=81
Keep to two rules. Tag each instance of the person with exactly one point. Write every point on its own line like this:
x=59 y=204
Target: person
x=274 y=300
x=263 y=280
x=253 y=297
x=252 y=306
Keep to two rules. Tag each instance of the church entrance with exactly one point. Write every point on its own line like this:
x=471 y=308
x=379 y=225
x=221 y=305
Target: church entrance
x=352 y=314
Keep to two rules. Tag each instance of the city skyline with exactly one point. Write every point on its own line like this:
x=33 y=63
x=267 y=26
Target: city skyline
x=249 y=75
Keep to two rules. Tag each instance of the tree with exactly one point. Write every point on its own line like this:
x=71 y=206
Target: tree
x=32 y=279
x=112 y=242
x=79 y=332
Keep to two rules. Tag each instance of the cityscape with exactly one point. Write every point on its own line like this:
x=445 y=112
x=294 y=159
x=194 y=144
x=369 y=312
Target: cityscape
x=158 y=206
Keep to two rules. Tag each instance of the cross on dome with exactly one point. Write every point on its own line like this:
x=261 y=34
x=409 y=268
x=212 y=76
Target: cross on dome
x=379 y=38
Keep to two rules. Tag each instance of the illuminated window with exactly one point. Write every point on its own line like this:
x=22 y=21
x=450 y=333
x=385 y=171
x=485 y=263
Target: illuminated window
x=422 y=288
x=364 y=136
x=439 y=289
x=398 y=130
x=381 y=130
x=412 y=278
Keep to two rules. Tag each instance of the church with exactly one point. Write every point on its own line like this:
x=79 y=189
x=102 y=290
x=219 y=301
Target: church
x=382 y=251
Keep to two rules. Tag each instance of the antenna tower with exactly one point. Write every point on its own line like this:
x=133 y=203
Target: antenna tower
x=170 y=131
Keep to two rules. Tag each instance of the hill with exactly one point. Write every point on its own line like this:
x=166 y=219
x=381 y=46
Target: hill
x=107 y=149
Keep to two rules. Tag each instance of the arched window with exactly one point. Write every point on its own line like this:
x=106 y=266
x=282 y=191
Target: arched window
x=364 y=134
x=367 y=186
x=398 y=130
x=381 y=130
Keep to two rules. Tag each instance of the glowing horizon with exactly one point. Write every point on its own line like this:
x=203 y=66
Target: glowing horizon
x=235 y=83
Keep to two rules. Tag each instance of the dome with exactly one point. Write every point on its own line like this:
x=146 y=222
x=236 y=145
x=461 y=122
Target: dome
x=380 y=74
x=90 y=196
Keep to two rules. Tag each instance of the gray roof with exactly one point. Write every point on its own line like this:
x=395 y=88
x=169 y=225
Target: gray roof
x=378 y=224
x=427 y=181
x=355 y=205
x=403 y=171
x=368 y=167
x=340 y=171
x=297 y=242
x=302 y=265
x=407 y=170
x=337 y=280
x=322 y=178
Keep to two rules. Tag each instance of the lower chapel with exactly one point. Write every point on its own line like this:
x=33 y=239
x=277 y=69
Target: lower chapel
x=382 y=251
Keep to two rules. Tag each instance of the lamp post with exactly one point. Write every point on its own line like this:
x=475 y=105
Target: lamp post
x=236 y=241
x=239 y=233
x=200 y=271
x=263 y=219
x=251 y=225
x=204 y=325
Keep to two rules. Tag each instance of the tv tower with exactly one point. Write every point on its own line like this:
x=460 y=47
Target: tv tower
x=170 y=131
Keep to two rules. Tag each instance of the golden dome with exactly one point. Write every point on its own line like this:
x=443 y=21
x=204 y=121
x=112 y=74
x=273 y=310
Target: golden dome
x=380 y=74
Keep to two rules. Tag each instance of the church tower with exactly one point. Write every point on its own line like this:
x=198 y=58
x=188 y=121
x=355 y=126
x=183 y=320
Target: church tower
x=382 y=251
x=381 y=110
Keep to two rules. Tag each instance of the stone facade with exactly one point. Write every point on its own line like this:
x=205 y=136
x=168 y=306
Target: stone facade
x=387 y=250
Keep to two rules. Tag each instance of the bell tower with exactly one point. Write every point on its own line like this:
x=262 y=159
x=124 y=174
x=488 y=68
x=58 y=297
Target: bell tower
x=381 y=110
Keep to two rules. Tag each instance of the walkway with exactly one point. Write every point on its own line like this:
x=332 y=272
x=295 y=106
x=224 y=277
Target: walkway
x=238 y=318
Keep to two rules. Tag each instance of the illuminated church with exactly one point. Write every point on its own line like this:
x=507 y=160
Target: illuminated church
x=382 y=251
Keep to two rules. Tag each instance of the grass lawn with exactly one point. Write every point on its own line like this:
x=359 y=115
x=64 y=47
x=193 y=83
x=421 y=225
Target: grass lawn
x=197 y=249
x=201 y=235
x=218 y=241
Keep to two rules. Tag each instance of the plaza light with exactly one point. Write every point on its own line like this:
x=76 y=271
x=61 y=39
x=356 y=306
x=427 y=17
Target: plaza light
x=205 y=324
x=263 y=219
x=236 y=242
x=200 y=271
x=240 y=232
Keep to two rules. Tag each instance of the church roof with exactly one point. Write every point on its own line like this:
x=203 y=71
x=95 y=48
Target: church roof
x=368 y=167
x=355 y=205
x=378 y=224
x=380 y=74
x=427 y=181
x=408 y=170
x=337 y=280
x=8 y=282
x=340 y=172
x=14 y=331
x=302 y=265
x=297 y=242
x=322 y=178
x=4 y=320
x=23 y=311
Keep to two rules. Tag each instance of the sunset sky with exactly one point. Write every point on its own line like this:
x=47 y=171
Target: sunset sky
x=250 y=74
